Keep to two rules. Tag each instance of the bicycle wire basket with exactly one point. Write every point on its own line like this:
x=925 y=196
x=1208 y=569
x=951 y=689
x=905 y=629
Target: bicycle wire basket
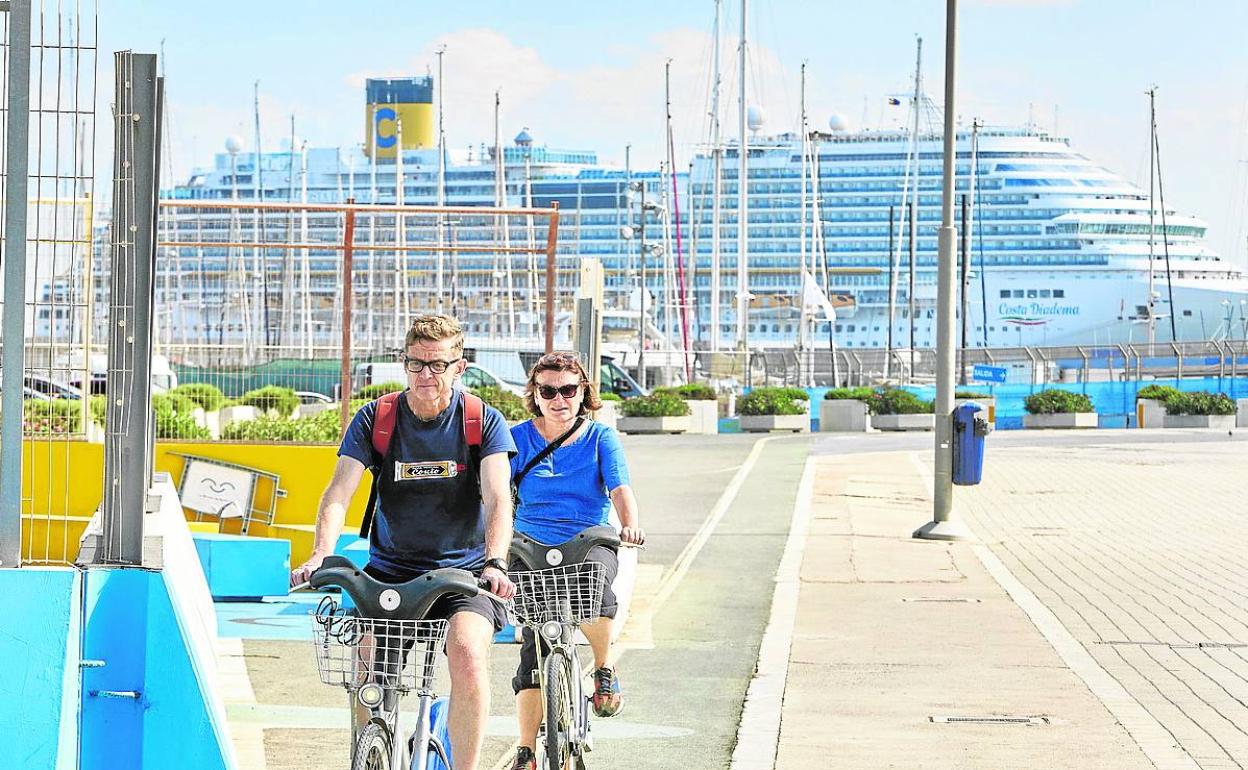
x=569 y=594
x=396 y=654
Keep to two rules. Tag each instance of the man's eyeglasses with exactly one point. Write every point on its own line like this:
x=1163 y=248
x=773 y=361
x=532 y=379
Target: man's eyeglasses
x=416 y=366
x=567 y=391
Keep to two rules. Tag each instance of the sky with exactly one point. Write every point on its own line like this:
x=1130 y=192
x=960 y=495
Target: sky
x=589 y=75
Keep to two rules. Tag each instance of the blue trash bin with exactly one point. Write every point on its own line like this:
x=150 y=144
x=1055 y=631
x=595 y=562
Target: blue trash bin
x=969 y=431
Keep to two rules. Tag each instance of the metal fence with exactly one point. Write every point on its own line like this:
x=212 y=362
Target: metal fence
x=250 y=295
x=48 y=169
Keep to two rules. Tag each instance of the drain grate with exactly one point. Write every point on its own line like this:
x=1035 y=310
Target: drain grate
x=990 y=720
x=941 y=600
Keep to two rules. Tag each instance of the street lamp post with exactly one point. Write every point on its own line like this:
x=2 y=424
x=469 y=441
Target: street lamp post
x=943 y=525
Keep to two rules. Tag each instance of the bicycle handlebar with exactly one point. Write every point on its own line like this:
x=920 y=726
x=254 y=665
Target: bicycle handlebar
x=399 y=601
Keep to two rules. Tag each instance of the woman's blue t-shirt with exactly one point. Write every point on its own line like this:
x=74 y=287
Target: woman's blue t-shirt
x=568 y=490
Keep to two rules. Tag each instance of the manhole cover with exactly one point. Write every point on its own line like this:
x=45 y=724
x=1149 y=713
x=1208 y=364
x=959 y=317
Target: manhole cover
x=942 y=600
x=991 y=720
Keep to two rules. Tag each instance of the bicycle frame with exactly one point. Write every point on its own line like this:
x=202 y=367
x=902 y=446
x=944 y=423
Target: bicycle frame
x=579 y=740
x=387 y=713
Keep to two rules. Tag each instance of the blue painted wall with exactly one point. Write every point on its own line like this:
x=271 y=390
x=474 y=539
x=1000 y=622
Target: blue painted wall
x=39 y=645
x=131 y=623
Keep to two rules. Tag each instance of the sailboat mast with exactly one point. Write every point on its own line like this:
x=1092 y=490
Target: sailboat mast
x=260 y=262
x=743 y=217
x=441 y=178
x=1152 y=188
x=802 y=344
x=717 y=156
x=914 y=199
x=678 y=262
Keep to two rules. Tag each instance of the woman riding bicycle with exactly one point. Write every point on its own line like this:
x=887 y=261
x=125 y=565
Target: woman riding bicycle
x=563 y=494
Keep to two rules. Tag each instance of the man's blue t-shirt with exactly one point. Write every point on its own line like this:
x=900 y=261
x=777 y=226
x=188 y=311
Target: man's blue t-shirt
x=429 y=512
x=567 y=491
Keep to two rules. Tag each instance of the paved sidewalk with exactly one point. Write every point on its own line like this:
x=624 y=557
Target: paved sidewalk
x=1105 y=604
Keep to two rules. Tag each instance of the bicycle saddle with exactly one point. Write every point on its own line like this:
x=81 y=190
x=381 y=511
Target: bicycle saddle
x=398 y=601
x=534 y=555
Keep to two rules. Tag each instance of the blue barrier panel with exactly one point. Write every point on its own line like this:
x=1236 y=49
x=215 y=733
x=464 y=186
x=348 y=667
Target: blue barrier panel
x=239 y=567
x=149 y=702
x=1114 y=401
x=39 y=644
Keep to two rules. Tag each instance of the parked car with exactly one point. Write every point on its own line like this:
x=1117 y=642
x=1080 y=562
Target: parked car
x=41 y=388
x=475 y=376
x=310 y=397
x=615 y=380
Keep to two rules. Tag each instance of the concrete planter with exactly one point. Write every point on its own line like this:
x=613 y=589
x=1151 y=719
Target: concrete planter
x=307 y=410
x=654 y=424
x=1241 y=413
x=232 y=414
x=762 y=423
x=1150 y=413
x=989 y=404
x=903 y=421
x=843 y=414
x=703 y=416
x=609 y=414
x=1061 y=420
x=1219 y=421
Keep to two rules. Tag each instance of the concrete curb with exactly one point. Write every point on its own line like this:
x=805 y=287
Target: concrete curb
x=758 y=735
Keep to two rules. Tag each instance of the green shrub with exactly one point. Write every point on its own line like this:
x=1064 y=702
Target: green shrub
x=797 y=394
x=1055 y=401
x=772 y=401
x=320 y=427
x=654 y=405
x=271 y=397
x=56 y=417
x=1159 y=392
x=99 y=409
x=1201 y=402
x=511 y=405
x=208 y=397
x=377 y=390
x=692 y=391
x=855 y=394
x=970 y=394
x=170 y=424
x=898 y=401
x=608 y=396
x=173 y=403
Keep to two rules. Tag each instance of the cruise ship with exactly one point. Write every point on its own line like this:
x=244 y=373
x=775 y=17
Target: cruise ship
x=1061 y=252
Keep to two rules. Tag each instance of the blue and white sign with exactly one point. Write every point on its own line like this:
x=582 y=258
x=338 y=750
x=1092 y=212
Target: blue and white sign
x=985 y=373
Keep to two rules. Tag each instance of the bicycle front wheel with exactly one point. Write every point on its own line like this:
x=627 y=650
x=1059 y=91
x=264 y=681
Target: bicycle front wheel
x=372 y=748
x=560 y=713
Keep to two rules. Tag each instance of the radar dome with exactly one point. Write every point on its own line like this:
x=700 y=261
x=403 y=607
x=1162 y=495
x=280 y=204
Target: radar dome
x=838 y=122
x=755 y=117
x=233 y=145
x=524 y=138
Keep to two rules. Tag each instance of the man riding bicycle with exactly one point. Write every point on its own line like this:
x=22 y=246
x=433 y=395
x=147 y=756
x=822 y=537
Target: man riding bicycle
x=439 y=503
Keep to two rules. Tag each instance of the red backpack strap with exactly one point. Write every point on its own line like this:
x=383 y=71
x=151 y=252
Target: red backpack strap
x=474 y=417
x=383 y=422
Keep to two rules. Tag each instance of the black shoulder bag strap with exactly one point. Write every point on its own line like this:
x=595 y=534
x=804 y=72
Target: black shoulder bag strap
x=542 y=455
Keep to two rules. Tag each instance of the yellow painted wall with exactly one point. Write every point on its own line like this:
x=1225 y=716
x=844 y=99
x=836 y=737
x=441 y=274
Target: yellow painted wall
x=62 y=487
x=417 y=122
x=304 y=472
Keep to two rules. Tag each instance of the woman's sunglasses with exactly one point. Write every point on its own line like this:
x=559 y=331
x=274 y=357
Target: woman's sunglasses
x=567 y=391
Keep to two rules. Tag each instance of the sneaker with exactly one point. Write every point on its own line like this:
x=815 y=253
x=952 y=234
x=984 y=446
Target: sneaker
x=607 y=700
x=524 y=759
